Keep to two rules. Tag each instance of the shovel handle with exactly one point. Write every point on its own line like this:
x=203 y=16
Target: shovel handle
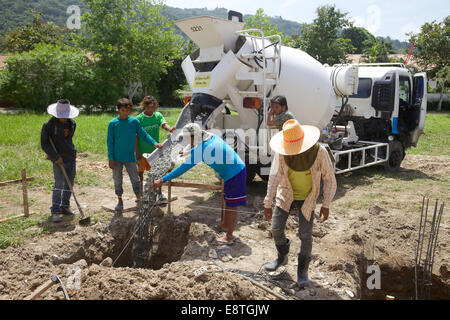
x=68 y=182
x=44 y=287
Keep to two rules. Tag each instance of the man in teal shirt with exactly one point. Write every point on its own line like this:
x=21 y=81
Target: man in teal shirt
x=122 y=132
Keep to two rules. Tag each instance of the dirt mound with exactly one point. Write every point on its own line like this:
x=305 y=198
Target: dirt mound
x=174 y=281
x=82 y=258
x=435 y=165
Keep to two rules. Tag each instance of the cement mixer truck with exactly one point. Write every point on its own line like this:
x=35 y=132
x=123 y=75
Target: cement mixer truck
x=369 y=114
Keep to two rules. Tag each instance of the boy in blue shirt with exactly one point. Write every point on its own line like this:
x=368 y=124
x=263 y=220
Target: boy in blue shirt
x=122 y=132
x=218 y=155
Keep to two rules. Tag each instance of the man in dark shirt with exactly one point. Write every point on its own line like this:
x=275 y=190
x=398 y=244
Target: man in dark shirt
x=60 y=130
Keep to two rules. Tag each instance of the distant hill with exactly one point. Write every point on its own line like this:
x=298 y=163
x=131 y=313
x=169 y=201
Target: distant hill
x=15 y=13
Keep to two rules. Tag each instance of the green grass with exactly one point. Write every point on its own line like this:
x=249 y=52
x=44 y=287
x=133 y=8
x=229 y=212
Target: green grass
x=436 y=140
x=20 y=148
x=13 y=232
x=20 y=145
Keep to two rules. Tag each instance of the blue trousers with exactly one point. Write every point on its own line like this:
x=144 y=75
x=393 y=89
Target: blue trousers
x=61 y=191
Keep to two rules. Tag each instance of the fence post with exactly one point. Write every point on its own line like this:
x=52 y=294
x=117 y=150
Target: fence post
x=223 y=200
x=169 y=207
x=25 y=193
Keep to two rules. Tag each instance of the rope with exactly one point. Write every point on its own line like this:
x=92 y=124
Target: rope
x=211 y=209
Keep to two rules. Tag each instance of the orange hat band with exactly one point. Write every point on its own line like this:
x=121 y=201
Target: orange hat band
x=292 y=141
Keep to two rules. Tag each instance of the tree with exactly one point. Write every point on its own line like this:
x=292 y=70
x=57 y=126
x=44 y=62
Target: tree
x=262 y=21
x=321 y=39
x=36 y=78
x=432 y=52
x=358 y=36
x=376 y=52
x=132 y=43
x=25 y=38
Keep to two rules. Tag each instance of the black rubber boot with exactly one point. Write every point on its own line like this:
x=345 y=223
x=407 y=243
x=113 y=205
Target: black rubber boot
x=282 y=258
x=66 y=211
x=302 y=271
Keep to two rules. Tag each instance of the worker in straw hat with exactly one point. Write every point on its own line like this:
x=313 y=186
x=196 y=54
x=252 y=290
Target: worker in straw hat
x=60 y=130
x=299 y=164
x=218 y=155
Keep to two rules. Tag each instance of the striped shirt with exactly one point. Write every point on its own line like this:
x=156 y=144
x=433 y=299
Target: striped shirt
x=279 y=184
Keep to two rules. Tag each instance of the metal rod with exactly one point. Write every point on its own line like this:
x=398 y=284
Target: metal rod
x=417 y=248
x=134 y=233
x=423 y=230
x=427 y=257
x=441 y=210
x=423 y=234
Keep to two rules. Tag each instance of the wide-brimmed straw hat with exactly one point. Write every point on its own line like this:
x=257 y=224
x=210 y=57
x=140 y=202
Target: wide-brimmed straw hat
x=63 y=109
x=295 y=138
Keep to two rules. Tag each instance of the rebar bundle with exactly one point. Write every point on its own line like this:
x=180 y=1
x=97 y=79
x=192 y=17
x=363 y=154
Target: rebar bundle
x=144 y=230
x=423 y=282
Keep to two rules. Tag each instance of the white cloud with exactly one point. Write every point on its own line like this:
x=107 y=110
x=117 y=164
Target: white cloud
x=286 y=10
x=409 y=27
x=373 y=22
x=358 y=21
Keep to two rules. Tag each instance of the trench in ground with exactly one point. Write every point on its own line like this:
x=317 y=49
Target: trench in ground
x=399 y=282
x=170 y=240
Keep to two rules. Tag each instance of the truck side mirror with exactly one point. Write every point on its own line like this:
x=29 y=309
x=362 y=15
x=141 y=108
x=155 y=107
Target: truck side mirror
x=383 y=96
x=234 y=14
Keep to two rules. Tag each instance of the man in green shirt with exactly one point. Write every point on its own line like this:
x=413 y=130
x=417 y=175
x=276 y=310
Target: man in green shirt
x=151 y=121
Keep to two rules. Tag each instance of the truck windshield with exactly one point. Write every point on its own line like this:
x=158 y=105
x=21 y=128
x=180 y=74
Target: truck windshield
x=364 y=88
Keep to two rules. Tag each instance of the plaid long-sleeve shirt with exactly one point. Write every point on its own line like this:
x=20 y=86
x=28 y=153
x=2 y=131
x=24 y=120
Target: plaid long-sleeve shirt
x=279 y=184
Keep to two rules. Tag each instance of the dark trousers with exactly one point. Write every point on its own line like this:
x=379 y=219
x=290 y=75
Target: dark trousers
x=61 y=191
x=305 y=227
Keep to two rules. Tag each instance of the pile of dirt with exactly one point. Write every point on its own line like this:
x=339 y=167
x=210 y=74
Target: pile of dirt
x=375 y=222
x=83 y=260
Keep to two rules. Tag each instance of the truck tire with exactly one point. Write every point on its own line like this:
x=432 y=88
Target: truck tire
x=250 y=176
x=396 y=156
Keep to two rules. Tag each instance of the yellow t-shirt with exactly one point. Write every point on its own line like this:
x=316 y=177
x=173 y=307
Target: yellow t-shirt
x=301 y=182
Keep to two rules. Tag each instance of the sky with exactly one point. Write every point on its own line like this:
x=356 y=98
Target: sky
x=381 y=17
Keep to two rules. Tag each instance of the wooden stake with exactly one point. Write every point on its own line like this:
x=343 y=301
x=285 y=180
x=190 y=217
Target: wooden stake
x=194 y=185
x=10 y=218
x=223 y=201
x=26 y=211
x=3 y=184
x=169 y=207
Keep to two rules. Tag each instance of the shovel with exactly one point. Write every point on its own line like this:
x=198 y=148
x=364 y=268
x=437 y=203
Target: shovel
x=84 y=220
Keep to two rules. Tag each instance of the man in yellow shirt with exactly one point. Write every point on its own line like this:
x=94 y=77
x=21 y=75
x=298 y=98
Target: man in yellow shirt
x=298 y=166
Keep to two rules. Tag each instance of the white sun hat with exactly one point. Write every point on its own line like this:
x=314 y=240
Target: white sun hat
x=63 y=109
x=193 y=129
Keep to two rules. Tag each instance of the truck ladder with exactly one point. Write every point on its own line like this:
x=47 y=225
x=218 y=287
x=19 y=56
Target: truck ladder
x=265 y=79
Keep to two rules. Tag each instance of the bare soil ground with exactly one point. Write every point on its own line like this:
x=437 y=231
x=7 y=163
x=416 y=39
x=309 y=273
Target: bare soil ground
x=374 y=220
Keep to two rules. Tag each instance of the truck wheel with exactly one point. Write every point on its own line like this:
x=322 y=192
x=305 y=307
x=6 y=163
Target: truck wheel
x=250 y=176
x=264 y=177
x=396 y=155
